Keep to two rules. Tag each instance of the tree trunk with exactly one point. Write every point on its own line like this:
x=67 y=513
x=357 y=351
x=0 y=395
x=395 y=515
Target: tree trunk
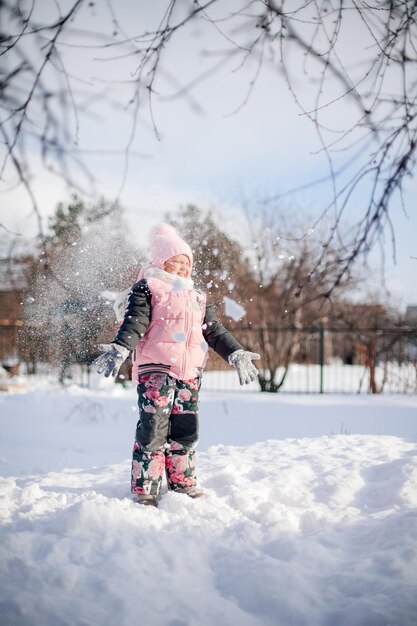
x=372 y=366
x=268 y=384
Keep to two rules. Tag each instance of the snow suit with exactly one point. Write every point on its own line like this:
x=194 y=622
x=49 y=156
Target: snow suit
x=169 y=327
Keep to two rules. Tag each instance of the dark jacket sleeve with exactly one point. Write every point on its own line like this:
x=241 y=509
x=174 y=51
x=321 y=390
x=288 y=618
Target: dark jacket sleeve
x=137 y=316
x=217 y=336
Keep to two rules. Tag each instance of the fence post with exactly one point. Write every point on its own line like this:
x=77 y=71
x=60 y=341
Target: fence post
x=321 y=358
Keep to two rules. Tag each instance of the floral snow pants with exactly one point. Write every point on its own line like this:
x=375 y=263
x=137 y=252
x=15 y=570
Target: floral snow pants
x=166 y=433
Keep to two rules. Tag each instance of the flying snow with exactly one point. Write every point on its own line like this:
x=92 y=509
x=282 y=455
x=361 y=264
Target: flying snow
x=233 y=309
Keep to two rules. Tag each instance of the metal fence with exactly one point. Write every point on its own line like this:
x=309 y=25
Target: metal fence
x=330 y=360
x=332 y=378
x=323 y=360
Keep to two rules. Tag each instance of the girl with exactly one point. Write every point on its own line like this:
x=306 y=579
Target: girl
x=168 y=326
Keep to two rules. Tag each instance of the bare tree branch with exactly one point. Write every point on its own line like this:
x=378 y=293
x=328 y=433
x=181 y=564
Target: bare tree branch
x=377 y=139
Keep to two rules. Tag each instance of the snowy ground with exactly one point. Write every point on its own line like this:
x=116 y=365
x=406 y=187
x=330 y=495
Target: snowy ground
x=310 y=516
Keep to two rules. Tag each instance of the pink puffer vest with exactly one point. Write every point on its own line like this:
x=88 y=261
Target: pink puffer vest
x=174 y=338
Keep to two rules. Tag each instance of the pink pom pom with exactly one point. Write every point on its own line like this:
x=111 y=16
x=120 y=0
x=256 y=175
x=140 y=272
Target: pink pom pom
x=163 y=230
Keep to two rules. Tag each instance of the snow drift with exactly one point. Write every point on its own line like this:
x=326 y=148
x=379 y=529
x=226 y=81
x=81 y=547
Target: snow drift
x=302 y=525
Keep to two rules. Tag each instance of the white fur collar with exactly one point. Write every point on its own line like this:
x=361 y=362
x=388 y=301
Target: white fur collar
x=178 y=282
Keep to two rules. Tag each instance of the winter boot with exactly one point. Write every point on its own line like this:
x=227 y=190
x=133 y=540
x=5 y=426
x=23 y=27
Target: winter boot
x=147 y=500
x=191 y=492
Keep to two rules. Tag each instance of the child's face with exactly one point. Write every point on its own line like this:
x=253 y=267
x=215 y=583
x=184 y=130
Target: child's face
x=179 y=265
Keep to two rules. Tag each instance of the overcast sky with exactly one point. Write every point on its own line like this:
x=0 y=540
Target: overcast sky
x=211 y=150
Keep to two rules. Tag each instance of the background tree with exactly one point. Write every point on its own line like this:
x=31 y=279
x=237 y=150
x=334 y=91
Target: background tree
x=218 y=263
x=269 y=275
x=219 y=269
x=286 y=301
x=89 y=258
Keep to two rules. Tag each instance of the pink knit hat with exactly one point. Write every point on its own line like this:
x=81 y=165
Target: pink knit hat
x=164 y=243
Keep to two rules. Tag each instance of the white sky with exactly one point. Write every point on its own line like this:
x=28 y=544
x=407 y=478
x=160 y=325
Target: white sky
x=205 y=156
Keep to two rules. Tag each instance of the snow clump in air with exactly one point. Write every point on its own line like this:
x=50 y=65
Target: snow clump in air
x=233 y=309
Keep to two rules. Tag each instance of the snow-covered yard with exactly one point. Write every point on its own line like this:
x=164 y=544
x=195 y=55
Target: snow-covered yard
x=310 y=516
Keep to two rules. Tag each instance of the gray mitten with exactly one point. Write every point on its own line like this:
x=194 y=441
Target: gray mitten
x=242 y=362
x=111 y=361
